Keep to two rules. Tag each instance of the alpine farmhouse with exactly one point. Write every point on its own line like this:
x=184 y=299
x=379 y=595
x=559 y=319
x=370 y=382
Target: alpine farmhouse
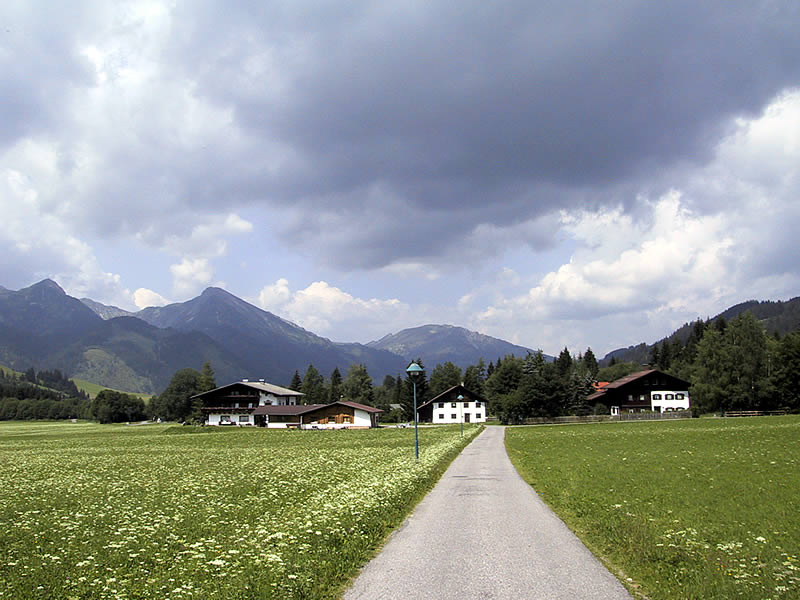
x=262 y=404
x=644 y=391
x=455 y=405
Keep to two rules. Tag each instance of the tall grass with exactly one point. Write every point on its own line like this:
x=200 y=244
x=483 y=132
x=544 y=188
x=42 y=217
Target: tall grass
x=99 y=511
x=705 y=508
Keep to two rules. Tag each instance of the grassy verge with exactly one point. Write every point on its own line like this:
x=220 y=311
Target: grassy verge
x=706 y=508
x=129 y=512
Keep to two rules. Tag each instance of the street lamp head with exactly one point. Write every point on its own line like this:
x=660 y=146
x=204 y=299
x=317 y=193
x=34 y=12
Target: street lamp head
x=414 y=370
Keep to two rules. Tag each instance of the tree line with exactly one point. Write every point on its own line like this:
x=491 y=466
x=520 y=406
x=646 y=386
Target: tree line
x=516 y=388
x=43 y=395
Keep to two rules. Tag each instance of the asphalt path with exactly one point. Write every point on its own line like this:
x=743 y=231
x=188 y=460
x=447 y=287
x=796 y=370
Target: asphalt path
x=484 y=533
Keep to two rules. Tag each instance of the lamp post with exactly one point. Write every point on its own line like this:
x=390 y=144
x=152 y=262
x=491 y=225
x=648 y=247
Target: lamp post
x=461 y=404
x=414 y=371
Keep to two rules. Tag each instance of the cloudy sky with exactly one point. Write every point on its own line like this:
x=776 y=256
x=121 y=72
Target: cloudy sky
x=552 y=173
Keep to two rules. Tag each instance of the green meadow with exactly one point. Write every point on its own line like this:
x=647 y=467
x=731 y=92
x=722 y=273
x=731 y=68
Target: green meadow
x=703 y=508
x=148 y=511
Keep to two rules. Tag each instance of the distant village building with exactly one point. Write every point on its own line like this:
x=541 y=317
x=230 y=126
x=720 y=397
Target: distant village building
x=262 y=404
x=447 y=408
x=650 y=390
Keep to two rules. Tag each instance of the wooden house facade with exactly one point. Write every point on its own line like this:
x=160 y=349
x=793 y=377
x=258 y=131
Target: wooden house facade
x=649 y=390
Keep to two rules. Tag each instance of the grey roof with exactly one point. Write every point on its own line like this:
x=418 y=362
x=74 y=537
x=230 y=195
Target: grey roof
x=263 y=386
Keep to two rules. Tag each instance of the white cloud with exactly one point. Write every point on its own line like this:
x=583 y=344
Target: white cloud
x=144 y=298
x=328 y=310
x=38 y=244
x=190 y=275
x=275 y=297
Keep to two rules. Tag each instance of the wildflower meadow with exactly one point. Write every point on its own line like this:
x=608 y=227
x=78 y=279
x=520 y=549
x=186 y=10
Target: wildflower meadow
x=100 y=511
x=702 y=508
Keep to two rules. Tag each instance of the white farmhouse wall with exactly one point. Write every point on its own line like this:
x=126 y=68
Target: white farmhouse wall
x=361 y=418
x=475 y=410
x=659 y=400
x=234 y=419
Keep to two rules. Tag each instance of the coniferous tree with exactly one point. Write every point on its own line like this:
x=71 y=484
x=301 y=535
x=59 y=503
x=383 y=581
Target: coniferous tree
x=787 y=372
x=313 y=386
x=207 y=380
x=475 y=377
x=443 y=377
x=655 y=356
x=590 y=363
x=296 y=383
x=357 y=385
x=335 y=387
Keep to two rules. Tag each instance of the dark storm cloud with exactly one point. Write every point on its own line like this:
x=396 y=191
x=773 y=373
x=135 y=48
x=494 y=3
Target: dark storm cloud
x=454 y=115
x=39 y=65
x=449 y=106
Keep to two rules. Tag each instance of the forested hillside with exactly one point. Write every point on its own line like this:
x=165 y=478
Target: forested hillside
x=777 y=317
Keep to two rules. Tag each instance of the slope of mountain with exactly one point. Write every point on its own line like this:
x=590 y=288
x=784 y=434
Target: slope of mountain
x=441 y=343
x=105 y=311
x=778 y=316
x=43 y=327
x=37 y=318
x=264 y=344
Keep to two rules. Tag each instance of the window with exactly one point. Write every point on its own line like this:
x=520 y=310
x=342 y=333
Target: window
x=346 y=419
x=441 y=416
x=466 y=404
x=669 y=397
x=641 y=397
x=244 y=418
x=477 y=415
x=679 y=396
x=441 y=404
x=656 y=396
x=235 y=405
x=454 y=416
x=224 y=418
x=630 y=397
x=452 y=405
x=477 y=405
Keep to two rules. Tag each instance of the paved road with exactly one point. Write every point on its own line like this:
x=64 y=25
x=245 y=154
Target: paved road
x=483 y=533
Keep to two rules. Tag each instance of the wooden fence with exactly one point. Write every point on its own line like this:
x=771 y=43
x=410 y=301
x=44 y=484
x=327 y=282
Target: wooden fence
x=753 y=413
x=643 y=416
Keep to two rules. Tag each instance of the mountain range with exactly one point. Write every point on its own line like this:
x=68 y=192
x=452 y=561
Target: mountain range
x=42 y=326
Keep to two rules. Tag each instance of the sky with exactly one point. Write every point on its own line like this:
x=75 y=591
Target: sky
x=571 y=173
